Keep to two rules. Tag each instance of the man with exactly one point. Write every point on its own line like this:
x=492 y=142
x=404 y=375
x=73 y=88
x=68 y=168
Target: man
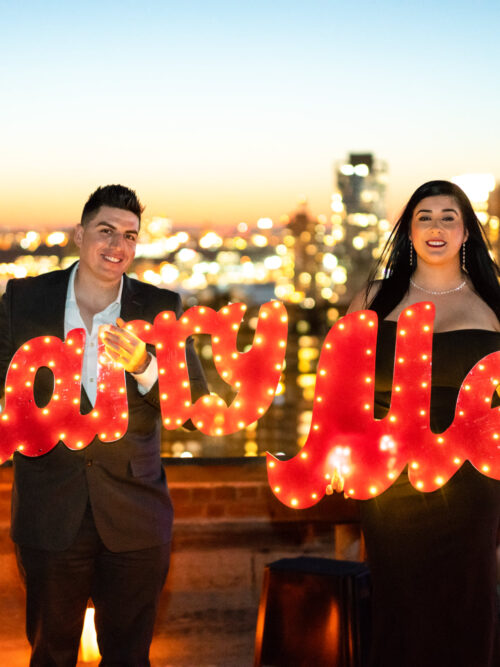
x=94 y=522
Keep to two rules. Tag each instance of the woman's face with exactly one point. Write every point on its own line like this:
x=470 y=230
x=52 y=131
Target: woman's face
x=438 y=230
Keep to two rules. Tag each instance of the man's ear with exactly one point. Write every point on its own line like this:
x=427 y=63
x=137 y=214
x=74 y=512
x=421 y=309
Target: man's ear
x=78 y=234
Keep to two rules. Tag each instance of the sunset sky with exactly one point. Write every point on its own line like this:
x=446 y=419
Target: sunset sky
x=220 y=112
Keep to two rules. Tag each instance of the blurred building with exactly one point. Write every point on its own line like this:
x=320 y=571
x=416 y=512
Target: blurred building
x=358 y=217
x=485 y=199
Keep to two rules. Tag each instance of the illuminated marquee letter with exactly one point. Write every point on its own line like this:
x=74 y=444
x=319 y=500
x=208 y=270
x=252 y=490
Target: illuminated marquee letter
x=36 y=430
x=254 y=374
x=346 y=442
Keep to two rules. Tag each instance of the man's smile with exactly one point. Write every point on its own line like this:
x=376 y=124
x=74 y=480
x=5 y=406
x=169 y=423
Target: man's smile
x=110 y=258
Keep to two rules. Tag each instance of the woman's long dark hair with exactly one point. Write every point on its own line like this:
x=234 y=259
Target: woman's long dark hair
x=482 y=270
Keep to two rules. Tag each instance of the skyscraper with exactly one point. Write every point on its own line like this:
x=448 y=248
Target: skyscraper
x=359 y=216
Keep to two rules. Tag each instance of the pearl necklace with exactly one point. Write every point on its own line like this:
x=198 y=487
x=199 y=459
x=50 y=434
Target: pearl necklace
x=446 y=291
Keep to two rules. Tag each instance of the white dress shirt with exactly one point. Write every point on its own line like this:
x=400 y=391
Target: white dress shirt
x=73 y=320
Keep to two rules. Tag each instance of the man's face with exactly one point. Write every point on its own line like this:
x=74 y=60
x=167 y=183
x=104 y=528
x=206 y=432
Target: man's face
x=107 y=243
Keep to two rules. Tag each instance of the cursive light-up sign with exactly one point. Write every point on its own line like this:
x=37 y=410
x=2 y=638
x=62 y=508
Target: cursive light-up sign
x=254 y=375
x=347 y=443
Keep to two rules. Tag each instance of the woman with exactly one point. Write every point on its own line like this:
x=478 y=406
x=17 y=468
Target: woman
x=433 y=555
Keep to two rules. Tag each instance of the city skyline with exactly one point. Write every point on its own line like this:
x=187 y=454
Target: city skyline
x=220 y=114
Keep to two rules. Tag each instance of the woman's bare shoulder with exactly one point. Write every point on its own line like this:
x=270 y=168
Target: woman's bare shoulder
x=361 y=301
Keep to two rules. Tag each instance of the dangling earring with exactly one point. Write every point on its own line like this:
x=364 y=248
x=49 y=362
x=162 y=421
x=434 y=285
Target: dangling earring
x=463 y=257
x=411 y=253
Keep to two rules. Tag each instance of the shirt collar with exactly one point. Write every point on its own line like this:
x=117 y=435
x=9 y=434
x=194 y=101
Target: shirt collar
x=71 y=296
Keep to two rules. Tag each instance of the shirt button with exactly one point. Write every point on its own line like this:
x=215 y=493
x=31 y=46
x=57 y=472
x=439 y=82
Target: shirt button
x=89 y=463
x=91 y=379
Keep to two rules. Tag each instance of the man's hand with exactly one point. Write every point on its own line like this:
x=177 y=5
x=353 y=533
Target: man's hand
x=125 y=348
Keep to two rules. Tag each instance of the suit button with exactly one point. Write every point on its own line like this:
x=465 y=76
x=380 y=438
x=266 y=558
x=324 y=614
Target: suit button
x=89 y=463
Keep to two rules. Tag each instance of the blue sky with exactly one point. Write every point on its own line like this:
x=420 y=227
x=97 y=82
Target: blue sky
x=220 y=112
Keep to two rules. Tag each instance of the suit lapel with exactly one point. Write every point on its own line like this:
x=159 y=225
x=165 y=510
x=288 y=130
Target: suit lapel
x=47 y=311
x=131 y=305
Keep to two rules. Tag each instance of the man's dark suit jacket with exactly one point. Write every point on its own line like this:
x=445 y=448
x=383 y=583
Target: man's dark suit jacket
x=124 y=480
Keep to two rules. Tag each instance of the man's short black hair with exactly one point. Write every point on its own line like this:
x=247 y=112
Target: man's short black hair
x=116 y=196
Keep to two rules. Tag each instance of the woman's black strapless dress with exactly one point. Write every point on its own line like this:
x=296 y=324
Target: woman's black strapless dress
x=433 y=555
